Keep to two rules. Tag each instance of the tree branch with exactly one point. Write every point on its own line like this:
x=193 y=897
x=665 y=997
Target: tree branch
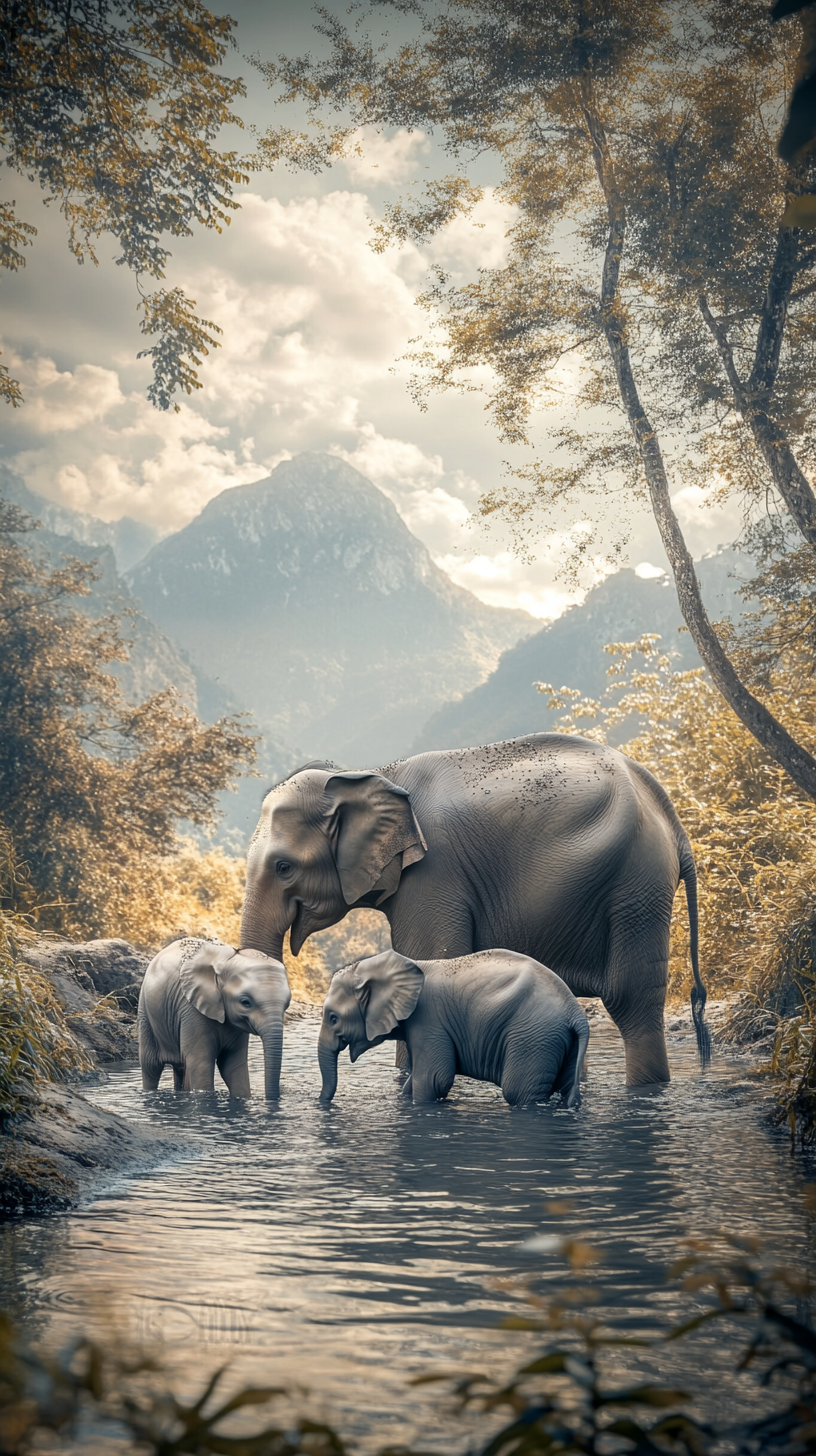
x=775 y=312
x=772 y=443
x=798 y=763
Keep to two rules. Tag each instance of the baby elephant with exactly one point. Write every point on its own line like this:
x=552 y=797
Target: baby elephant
x=496 y=1016
x=198 y=1003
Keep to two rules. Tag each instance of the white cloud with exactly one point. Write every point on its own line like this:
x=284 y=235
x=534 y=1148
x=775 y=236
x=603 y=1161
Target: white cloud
x=647 y=572
x=65 y=400
x=382 y=160
x=478 y=240
x=504 y=581
x=313 y=322
x=706 y=523
x=160 y=468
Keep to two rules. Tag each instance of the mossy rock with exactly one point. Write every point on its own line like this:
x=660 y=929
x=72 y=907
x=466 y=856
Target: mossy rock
x=31 y=1183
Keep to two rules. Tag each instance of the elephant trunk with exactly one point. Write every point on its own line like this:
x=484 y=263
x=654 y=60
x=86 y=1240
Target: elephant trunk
x=256 y=936
x=272 y=1039
x=327 y=1054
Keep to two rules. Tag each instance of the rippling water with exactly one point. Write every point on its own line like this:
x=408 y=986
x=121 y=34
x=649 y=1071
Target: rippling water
x=350 y=1249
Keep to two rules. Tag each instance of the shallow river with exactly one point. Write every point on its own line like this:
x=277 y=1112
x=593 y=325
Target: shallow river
x=348 y=1250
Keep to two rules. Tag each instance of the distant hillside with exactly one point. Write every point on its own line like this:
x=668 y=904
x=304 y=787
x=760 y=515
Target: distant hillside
x=129 y=540
x=309 y=597
x=155 y=662
x=569 y=653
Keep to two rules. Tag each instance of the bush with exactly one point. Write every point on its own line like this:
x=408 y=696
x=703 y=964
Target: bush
x=36 y=1044
x=92 y=787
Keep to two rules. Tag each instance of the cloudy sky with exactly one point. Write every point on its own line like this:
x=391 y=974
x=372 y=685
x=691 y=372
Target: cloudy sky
x=314 y=326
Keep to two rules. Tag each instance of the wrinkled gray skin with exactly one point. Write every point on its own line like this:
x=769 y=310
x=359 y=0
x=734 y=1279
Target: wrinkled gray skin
x=553 y=846
x=198 y=1004
x=497 y=1016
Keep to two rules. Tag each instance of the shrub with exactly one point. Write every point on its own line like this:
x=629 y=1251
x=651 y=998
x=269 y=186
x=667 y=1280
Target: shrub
x=92 y=787
x=36 y=1044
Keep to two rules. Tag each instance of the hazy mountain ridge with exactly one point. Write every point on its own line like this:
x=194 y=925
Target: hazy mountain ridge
x=569 y=652
x=309 y=596
x=154 y=661
x=129 y=540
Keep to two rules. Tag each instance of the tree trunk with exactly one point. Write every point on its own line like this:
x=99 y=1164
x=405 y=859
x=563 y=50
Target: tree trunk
x=754 y=715
x=769 y=437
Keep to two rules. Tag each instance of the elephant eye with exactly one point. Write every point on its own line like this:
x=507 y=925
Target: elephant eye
x=245 y=1001
x=332 y=1018
x=283 y=867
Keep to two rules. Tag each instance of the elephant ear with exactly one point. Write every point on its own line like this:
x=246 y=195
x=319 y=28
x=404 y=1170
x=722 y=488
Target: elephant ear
x=374 y=833
x=199 y=978
x=387 y=987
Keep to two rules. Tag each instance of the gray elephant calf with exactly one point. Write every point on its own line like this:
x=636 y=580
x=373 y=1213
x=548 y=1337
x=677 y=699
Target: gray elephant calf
x=198 y=1004
x=497 y=1016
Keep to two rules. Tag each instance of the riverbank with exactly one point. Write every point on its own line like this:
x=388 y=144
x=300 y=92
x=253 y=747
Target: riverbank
x=61 y=1146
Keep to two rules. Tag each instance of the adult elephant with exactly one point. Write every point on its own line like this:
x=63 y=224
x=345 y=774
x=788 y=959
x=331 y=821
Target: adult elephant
x=554 y=846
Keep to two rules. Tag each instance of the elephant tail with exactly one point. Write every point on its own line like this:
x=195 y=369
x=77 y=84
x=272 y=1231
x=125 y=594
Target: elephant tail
x=581 y=1028
x=688 y=875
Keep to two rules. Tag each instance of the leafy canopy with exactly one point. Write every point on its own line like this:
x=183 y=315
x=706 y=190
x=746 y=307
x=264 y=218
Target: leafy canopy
x=114 y=108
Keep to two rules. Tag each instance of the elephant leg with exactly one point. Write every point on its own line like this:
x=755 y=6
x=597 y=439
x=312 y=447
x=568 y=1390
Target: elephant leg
x=402 y=1057
x=199 y=1050
x=428 y=933
x=635 y=998
x=234 y=1068
x=526 y=1079
x=433 y=1068
x=178 y=1077
x=150 y=1057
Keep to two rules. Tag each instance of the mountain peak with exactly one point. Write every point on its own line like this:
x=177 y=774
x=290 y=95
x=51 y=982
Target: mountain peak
x=307 y=593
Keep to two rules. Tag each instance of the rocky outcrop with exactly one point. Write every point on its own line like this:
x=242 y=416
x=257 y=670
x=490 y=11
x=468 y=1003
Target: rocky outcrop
x=98 y=984
x=62 y=1145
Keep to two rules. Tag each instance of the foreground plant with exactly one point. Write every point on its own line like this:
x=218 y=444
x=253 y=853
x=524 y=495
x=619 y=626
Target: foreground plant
x=558 y=1402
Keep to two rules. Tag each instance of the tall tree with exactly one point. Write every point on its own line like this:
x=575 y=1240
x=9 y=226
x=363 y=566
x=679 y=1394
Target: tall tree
x=638 y=147
x=114 y=108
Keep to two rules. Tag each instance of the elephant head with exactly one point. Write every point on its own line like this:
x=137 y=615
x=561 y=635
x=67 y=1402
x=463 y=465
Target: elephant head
x=248 y=990
x=365 y=1004
x=325 y=841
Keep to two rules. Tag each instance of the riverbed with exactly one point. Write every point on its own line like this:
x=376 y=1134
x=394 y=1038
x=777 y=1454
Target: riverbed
x=347 y=1250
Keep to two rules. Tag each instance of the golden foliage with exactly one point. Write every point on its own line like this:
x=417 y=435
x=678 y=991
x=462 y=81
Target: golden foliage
x=36 y=1043
x=92 y=787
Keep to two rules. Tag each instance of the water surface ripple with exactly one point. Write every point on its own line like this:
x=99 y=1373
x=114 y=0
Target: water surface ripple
x=347 y=1250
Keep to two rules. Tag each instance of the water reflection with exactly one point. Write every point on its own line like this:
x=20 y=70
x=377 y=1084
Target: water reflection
x=349 y=1249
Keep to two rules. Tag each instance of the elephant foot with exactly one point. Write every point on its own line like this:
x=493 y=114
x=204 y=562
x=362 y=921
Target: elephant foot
x=647 y=1062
